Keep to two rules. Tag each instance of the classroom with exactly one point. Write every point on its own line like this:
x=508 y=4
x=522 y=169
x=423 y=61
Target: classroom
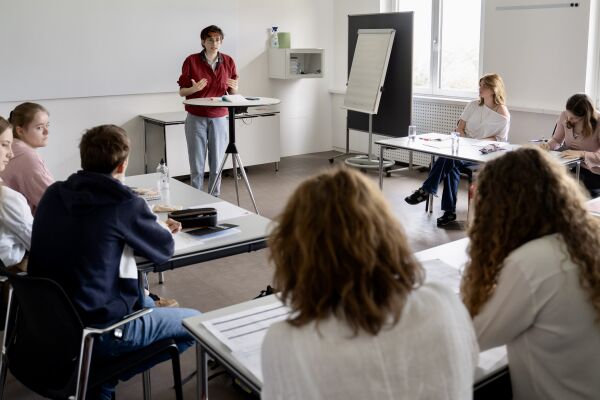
x=91 y=63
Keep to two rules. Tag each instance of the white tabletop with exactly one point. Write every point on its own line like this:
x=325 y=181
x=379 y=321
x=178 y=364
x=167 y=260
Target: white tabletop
x=253 y=228
x=453 y=254
x=218 y=102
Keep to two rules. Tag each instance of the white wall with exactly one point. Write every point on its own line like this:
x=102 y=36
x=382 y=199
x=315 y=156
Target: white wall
x=305 y=107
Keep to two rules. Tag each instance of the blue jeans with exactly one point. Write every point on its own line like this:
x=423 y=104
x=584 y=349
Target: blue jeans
x=202 y=134
x=161 y=323
x=447 y=170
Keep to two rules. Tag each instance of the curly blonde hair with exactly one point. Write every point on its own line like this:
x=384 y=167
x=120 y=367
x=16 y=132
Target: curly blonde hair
x=521 y=196
x=339 y=250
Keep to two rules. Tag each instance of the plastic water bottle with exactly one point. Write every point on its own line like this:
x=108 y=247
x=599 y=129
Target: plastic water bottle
x=455 y=137
x=163 y=175
x=274 y=38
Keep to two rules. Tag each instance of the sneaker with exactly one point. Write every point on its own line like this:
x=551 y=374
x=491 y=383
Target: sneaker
x=448 y=217
x=418 y=196
x=164 y=302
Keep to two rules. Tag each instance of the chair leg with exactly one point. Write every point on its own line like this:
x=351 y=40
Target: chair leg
x=2 y=375
x=176 y=372
x=147 y=385
x=85 y=357
x=7 y=329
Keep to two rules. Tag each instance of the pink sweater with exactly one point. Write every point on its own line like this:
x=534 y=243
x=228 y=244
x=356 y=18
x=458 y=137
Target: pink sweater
x=27 y=173
x=574 y=140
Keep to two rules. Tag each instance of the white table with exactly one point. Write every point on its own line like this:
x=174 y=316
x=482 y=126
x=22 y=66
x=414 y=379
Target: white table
x=492 y=365
x=253 y=234
x=231 y=147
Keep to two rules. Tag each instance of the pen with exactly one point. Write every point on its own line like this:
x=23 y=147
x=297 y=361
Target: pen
x=431 y=139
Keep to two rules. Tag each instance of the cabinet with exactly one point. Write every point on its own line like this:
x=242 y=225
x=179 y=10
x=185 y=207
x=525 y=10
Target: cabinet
x=257 y=139
x=295 y=63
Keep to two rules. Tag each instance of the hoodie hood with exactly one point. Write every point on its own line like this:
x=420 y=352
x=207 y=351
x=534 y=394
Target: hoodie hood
x=85 y=191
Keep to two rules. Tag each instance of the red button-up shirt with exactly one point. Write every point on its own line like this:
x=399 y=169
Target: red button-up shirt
x=196 y=67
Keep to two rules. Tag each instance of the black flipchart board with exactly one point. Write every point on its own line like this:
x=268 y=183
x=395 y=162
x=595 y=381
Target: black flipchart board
x=395 y=107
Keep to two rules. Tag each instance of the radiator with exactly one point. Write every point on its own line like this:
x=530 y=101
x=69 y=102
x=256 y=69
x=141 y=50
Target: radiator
x=429 y=116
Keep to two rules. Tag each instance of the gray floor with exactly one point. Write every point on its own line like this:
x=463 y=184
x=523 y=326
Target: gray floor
x=219 y=283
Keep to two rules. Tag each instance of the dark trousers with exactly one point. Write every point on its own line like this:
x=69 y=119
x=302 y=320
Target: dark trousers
x=447 y=170
x=591 y=181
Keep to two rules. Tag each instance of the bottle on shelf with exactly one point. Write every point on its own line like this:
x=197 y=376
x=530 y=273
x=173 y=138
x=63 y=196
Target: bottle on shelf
x=163 y=175
x=274 y=38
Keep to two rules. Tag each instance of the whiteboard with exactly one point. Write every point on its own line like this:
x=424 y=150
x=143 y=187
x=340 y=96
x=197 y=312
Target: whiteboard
x=539 y=47
x=369 y=67
x=82 y=48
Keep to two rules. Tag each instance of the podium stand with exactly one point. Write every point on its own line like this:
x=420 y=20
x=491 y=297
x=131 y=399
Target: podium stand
x=231 y=147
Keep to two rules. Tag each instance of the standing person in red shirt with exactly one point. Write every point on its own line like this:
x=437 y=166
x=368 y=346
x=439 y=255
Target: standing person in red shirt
x=209 y=73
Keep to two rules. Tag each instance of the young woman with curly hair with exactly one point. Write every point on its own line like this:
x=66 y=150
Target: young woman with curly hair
x=363 y=325
x=533 y=281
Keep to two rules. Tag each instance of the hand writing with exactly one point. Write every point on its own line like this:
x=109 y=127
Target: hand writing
x=201 y=84
x=544 y=146
x=173 y=225
x=233 y=84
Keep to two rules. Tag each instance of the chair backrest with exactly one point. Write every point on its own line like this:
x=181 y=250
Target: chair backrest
x=43 y=343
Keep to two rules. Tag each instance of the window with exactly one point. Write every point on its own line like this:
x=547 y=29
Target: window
x=446 y=45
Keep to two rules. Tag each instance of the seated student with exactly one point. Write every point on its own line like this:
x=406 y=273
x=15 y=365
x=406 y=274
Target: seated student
x=84 y=234
x=15 y=215
x=363 y=325
x=578 y=130
x=533 y=282
x=484 y=118
x=27 y=173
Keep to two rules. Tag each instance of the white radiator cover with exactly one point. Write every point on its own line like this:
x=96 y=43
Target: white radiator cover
x=429 y=116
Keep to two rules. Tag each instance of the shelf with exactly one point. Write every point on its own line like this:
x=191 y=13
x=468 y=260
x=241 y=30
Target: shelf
x=295 y=63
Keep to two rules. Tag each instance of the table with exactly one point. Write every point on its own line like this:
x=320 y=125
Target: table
x=253 y=236
x=164 y=138
x=467 y=149
x=492 y=366
x=231 y=147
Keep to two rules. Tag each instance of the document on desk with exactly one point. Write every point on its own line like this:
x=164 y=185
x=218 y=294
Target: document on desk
x=225 y=210
x=438 y=271
x=491 y=359
x=184 y=240
x=245 y=331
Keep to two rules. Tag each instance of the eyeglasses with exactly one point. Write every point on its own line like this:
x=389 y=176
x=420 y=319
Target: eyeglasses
x=213 y=40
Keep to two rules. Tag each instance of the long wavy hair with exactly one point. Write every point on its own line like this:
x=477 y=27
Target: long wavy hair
x=339 y=251
x=522 y=196
x=581 y=106
x=494 y=82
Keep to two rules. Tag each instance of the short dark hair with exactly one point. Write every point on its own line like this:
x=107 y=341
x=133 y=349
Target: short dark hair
x=103 y=148
x=211 y=29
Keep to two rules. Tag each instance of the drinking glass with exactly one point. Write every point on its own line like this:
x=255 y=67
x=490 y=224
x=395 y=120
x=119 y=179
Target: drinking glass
x=412 y=132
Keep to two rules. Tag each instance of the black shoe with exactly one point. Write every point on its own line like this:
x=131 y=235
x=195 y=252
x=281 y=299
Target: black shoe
x=448 y=217
x=418 y=196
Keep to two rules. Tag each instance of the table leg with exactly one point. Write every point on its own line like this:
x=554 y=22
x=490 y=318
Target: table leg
x=235 y=178
x=245 y=179
x=381 y=167
x=202 y=375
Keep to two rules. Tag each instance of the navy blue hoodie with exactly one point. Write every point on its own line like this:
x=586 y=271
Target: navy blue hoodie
x=80 y=229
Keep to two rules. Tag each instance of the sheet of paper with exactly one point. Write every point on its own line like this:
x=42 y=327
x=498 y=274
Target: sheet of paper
x=184 y=240
x=245 y=331
x=491 y=359
x=225 y=210
x=440 y=272
x=438 y=145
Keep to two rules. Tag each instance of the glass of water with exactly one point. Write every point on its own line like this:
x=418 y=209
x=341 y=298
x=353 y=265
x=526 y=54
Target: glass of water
x=412 y=132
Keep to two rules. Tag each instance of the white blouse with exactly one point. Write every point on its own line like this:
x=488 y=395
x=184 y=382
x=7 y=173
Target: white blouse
x=542 y=314
x=483 y=122
x=15 y=226
x=431 y=353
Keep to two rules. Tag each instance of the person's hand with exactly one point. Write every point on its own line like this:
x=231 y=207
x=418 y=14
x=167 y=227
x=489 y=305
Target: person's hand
x=173 y=225
x=572 y=154
x=544 y=146
x=201 y=84
x=233 y=84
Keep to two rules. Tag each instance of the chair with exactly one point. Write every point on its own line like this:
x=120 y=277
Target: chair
x=49 y=350
x=467 y=172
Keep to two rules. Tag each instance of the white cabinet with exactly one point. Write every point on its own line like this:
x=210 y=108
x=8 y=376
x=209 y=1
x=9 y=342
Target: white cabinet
x=256 y=133
x=295 y=63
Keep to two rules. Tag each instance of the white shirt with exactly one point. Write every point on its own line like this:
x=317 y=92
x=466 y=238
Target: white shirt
x=542 y=314
x=483 y=122
x=15 y=226
x=431 y=353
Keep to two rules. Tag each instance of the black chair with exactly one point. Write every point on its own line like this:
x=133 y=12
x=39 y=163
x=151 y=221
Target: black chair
x=49 y=350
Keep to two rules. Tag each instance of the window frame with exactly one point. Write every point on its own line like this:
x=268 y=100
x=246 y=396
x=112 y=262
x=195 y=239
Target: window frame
x=435 y=70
